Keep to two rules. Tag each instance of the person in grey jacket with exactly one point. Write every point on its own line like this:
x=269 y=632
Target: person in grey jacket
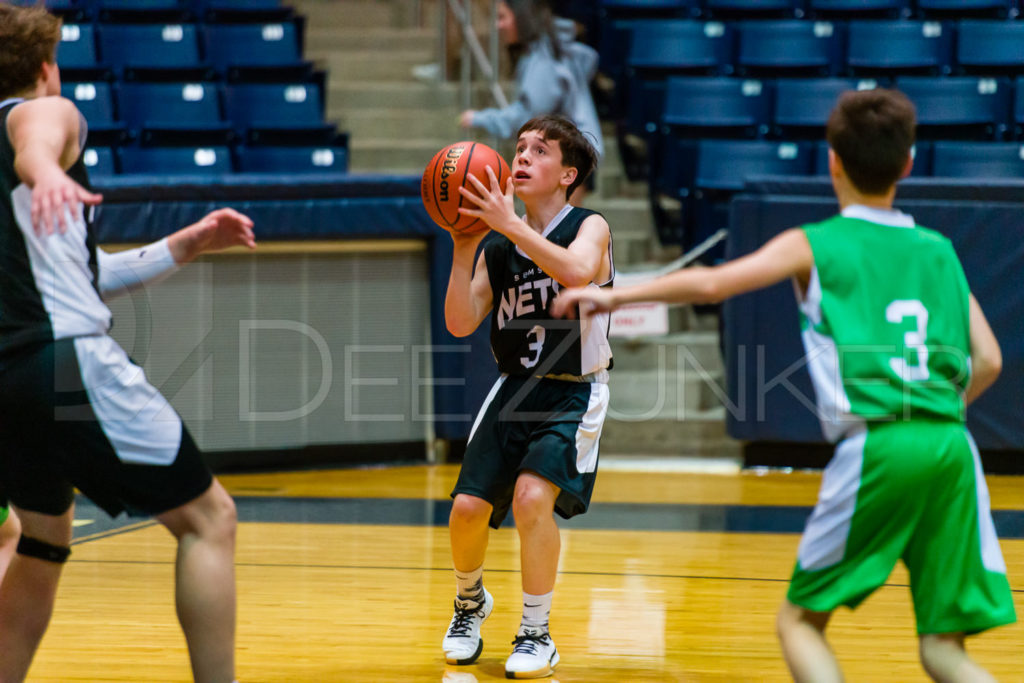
x=552 y=73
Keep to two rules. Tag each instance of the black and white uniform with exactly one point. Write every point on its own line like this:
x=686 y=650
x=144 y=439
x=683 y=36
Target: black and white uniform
x=546 y=410
x=77 y=411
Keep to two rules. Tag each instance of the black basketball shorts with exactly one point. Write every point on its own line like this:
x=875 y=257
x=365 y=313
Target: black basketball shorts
x=79 y=413
x=547 y=426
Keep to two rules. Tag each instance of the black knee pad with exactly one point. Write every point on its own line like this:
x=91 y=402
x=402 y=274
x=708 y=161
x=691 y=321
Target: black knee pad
x=41 y=550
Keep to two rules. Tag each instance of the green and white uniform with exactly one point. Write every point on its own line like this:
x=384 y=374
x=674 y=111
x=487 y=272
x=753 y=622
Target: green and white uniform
x=886 y=329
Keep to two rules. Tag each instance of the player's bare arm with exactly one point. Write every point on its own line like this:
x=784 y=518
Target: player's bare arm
x=577 y=265
x=986 y=356
x=44 y=133
x=787 y=255
x=468 y=299
x=216 y=230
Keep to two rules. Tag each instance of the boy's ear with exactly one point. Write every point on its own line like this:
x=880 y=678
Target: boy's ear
x=569 y=175
x=908 y=167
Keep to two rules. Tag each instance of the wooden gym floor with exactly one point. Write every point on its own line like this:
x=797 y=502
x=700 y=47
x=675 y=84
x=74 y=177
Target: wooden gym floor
x=345 y=576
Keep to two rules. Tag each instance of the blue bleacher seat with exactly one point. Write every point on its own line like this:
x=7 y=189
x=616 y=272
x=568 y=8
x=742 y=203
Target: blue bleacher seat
x=170 y=48
x=899 y=47
x=990 y=46
x=96 y=102
x=748 y=8
x=77 y=48
x=664 y=47
x=732 y=107
x=297 y=159
x=242 y=10
x=725 y=164
x=612 y=9
x=166 y=111
x=294 y=108
x=1018 y=107
x=270 y=48
x=963 y=8
x=921 y=152
x=978 y=159
x=176 y=160
x=99 y=161
x=790 y=47
x=802 y=106
x=849 y=9
x=675 y=45
x=959 y=107
x=722 y=167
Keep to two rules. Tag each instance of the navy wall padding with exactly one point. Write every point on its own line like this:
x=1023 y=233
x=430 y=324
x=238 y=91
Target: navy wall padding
x=140 y=209
x=768 y=385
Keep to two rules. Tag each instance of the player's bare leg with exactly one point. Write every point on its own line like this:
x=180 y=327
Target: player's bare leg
x=205 y=581
x=946 y=660
x=534 y=654
x=29 y=588
x=468 y=529
x=10 y=531
x=807 y=653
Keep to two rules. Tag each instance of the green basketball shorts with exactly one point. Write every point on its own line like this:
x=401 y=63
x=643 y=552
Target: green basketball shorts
x=911 y=491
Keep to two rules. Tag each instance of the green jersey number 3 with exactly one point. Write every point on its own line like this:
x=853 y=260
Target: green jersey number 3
x=896 y=312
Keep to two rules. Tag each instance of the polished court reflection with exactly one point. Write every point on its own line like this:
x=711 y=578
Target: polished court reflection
x=345 y=576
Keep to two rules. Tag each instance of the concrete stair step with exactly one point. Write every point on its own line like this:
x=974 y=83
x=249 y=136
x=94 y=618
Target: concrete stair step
x=373 y=39
x=350 y=95
x=696 y=351
x=399 y=124
x=701 y=434
x=348 y=14
x=662 y=394
x=377 y=155
x=361 y=66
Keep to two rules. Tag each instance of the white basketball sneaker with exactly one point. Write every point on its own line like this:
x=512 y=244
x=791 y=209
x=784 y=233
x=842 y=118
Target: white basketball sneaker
x=463 y=644
x=533 y=655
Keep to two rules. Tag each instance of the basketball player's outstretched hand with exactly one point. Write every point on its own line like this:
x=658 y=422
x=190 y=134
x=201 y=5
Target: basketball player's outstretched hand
x=216 y=230
x=495 y=207
x=57 y=200
x=590 y=300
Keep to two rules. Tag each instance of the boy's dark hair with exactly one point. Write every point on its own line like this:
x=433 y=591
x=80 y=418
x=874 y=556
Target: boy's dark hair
x=872 y=133
x=28 y=37
x=577 y=151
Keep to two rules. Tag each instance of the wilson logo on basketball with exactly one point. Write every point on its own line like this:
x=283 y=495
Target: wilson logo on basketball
x=455 y=166
x=450 y=166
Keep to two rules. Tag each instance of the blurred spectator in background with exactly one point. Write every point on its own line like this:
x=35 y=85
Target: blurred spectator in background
x=552 y=72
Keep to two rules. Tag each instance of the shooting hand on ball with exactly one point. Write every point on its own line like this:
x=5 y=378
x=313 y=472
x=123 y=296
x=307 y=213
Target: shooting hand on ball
x=495 y=207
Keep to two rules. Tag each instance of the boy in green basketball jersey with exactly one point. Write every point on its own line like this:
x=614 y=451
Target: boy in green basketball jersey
x=896 y=347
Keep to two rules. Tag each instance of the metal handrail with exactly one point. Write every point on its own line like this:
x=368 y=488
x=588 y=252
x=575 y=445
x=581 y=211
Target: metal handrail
x=473 y=51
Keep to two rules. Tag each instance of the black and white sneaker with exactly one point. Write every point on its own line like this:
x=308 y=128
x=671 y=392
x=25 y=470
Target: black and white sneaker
x=533 y=655
x=463 y=644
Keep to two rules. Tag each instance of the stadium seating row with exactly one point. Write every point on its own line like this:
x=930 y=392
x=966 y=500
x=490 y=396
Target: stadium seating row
x=217 y=160
x=814 y=9
x=180 y=10
x=702 y=175
x=154 y=111
x=169 y=50
x=960 y=107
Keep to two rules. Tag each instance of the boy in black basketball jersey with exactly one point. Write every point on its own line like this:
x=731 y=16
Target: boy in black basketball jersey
x=534 y=444
x=77 y=413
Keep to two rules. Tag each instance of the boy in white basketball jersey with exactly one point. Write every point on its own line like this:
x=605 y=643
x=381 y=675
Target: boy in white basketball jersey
x=897 y=346
x=77 y=412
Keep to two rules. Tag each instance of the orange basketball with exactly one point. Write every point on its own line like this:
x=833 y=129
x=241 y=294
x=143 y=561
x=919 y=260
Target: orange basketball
x=447 y=172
